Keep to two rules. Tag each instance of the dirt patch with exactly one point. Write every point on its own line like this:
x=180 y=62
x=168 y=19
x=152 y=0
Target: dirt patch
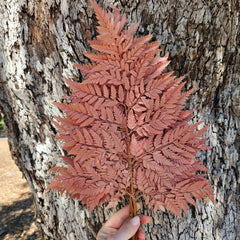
x=17 y=216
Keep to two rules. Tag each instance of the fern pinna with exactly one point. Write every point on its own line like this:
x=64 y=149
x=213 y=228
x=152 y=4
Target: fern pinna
x=125 y=130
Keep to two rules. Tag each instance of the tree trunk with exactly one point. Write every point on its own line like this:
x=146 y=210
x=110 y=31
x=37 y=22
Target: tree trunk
x=40 y=40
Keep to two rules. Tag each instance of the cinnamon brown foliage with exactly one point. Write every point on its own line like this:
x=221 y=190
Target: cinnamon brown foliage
x=125 y=130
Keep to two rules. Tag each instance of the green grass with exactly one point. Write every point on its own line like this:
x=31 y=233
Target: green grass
x=1 y=124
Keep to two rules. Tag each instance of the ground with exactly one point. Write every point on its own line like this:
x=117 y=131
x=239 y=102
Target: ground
x=17 y=217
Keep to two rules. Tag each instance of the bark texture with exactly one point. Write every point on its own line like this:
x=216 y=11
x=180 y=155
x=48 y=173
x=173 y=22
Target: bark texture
x=40 y=40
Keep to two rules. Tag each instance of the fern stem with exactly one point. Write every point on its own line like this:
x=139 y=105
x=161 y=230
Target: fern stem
x=133 y=213
x=132 y=194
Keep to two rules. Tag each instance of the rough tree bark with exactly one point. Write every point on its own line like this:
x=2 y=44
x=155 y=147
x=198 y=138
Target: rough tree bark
x=40 y=40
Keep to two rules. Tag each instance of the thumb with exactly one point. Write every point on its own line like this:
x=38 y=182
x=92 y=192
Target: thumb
x=128 y=230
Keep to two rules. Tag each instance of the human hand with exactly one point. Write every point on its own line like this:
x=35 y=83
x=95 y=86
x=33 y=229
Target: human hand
x=121 y=227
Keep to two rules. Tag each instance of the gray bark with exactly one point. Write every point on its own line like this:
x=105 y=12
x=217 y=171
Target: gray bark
x=40 y=40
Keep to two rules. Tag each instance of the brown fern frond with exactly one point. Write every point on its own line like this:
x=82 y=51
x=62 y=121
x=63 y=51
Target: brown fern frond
x=125 y=130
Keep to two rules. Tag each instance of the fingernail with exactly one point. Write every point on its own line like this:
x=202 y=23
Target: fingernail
x=135 y=221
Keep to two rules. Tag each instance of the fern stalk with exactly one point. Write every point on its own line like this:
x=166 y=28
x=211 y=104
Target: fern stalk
x=133 y=212
x=132 y=197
